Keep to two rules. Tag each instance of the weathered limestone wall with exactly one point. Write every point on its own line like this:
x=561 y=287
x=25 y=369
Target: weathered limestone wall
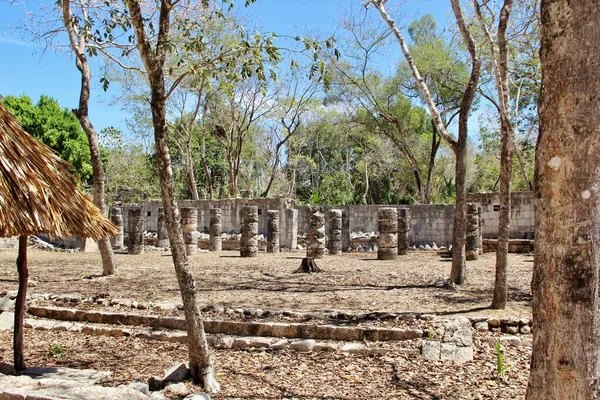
x=434 y=222
x=522 y=216
x=428 y=223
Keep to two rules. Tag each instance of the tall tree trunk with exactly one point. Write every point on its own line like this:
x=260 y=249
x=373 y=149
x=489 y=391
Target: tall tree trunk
x=435 y=145
x=273 y=171
x=191 y=176
x=566 y=316
x=19 y=358
x=366 y=191
x=78 y=45
x=201 y=366
x=506 y=162
x=459 y=147
x=209 y=178
x=458 y=273
x=499 y=62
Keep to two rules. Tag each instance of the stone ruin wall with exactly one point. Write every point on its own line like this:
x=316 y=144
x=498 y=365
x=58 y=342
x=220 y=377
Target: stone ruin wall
x=434 y=222
x=428 y=223
x=230 y=215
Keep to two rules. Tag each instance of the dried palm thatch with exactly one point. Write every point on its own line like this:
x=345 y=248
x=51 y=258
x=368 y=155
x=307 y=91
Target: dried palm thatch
x=37 y=190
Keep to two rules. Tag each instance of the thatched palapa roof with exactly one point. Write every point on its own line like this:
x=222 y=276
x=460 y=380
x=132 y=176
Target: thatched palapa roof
x=38 y=194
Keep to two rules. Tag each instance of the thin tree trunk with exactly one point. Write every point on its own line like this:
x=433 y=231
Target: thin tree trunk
x=78 y=45
x=366 y=191
x=273 y=171
x=458 y=273
x=566 y=300
x=506 y=161
x=209 y=178
x=201 y=366
x=499 y=62
x=435 y=145
x=522 y=169
x=19 y=358
x=191 y=176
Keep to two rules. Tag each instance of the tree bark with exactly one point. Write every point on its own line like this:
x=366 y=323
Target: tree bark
x=201 y=366
x=566 y=315
x=499 y=62
x=458 y=273
x=78 y=45
x=19 y=358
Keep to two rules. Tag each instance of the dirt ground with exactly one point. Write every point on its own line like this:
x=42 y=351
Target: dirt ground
x=350 y=282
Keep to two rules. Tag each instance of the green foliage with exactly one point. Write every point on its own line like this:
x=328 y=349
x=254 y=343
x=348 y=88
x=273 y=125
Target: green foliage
x=56 y=350
x=56 y=127
x=333 y=190
x=127 y=165
x=501 y=367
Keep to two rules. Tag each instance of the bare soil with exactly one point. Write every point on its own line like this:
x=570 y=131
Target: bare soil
x=352 y=282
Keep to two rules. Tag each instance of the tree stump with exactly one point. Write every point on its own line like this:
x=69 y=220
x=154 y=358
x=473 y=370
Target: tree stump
x=308 y=266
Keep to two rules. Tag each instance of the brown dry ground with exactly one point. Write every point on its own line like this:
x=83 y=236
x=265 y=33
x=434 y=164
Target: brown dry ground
x=352 y=282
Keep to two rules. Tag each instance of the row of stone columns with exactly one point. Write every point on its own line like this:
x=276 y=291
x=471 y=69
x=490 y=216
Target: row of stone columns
x=393 y=240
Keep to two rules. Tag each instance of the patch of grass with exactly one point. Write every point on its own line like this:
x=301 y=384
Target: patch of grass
x=502 y=368
x=56 y=350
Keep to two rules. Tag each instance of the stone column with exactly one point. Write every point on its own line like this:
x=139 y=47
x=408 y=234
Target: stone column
x=216 y=230
x=472 y=242
x=479 y=212
x=403 y=231
x=189 y=222
x=345 y=231
x=315 y=234
x=272 y=231
x=335 y=231
x=116 y=216
x=135 y=230
x=290 y=234
x=387 y=242
x=249 y=241
x=162 y=237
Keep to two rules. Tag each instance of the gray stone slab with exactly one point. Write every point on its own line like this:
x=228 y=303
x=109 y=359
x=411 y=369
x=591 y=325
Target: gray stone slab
x=464 y=354
x=177 y=373
x=6 y=304
x=24 y=387
x=303 y=345
x=86 y=376
x=448 y=351
x=431 y=350
x=7 y=321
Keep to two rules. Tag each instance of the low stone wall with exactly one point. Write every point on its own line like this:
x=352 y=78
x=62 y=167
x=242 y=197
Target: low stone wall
x=523 y=246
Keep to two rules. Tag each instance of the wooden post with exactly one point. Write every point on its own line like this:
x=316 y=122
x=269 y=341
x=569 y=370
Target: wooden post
x=23 y=271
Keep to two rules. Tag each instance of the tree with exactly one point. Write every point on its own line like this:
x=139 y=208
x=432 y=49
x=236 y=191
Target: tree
x=78 y=40
x=56 y=127
x=458 y=145
x=566 y=298
x=233 y=117
x=127 y=165
x=293 y=104
x=387 y=99
x=153 y=56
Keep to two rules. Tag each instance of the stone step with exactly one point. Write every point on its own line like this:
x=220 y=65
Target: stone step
x=229 y=342
x=25 y=387
x=236 y=328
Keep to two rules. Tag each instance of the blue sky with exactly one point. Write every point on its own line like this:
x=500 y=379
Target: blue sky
x=26 y=69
